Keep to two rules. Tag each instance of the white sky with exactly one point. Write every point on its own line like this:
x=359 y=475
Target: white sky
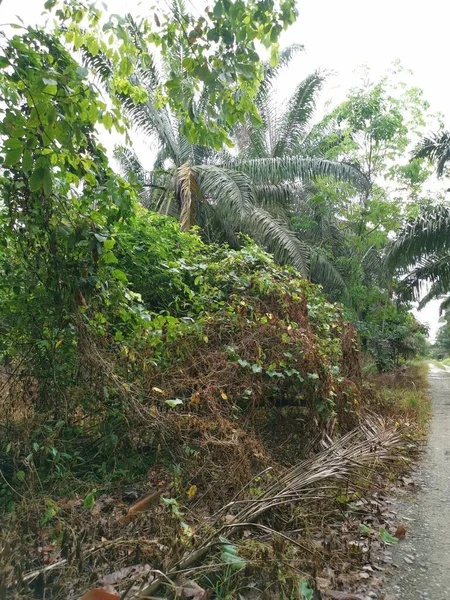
x=341 y=36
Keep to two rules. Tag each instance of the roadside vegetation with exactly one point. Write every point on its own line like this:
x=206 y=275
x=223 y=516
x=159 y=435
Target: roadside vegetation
x=207 y=368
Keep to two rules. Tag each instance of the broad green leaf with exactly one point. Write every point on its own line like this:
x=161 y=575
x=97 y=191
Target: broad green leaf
x=365 y=529
x=20 y=475
x=27 y=160
x=89 y=499
x=386 y=537
x=36 y=179
x=47 y=182
x=306 y=591
x=109 y=244
x=110 y=258
x=12 y=157
x=174 y=402
x=120 y=275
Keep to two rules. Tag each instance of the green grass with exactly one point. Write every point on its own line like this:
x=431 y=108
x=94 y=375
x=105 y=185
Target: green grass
x=439 y=364
x=403 y=395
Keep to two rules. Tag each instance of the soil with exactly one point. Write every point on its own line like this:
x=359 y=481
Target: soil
x=421 y=563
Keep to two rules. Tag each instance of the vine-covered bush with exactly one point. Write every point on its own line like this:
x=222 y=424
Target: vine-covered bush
x=119 y=332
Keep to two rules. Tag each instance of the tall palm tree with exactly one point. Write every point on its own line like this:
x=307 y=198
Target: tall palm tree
x=422 y=252
x=422 y=249
x=436 y=148
x=223 y=193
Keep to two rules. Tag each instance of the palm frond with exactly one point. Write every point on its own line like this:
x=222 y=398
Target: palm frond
x=189 y=193
x=437 y=149
x=444 y=306
x=297 y=115
x=271 y=73
x=428 y=234
x=323 y=271
x=322 y=227
x=229 y=191
x=339 y=464
x=373 y=266
x=217 y=229
x=276 y=237
x=132 y=170
x=297 y=168
x=436 y=291
x=152 y=121
x=130 y=165
x=98 y=64
x=277 y=195
x=430 y=269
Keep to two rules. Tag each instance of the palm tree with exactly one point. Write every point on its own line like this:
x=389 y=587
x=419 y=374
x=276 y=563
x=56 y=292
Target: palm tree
x=422 y=252
x=437 y=149
x=422 y=249
x=223 y=193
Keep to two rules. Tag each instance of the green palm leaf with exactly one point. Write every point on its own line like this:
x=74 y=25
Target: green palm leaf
x=271 y=73
x=297 y=115
x=428 y=234
x=297 y=168
x=437 y=149
x=324 y=272
x=277 y=238
x=444 y=306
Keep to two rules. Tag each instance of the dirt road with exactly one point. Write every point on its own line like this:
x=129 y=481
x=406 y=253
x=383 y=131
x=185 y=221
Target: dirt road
x=423 y=558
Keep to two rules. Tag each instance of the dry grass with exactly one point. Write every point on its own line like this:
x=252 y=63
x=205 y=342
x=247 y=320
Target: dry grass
x=402 y=395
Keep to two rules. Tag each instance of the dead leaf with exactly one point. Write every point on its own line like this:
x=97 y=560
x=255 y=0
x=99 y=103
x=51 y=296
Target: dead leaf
x=192 y=491
x=335 y=595
x=323 y=582
x=118 y=576
x=147 y=501
x=193 y=591
x=107 y=593
x=400 y=532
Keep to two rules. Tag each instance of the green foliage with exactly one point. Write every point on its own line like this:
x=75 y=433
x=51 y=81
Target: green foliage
x=60 y=201
x=220 y=57
x=373 y=128
x=252 y=193
x=129 y=342
x=386 y=537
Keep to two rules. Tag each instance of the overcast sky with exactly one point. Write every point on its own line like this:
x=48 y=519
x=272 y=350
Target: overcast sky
x=341 y=36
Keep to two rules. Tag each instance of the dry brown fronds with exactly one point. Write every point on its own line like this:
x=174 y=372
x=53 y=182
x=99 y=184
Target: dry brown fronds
x=339 y=462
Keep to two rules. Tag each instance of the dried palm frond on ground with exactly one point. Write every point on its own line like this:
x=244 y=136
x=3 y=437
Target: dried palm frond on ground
x=81 y=546
x=337 y=465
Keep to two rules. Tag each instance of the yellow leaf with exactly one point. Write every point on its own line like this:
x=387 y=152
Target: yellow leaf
x=195 y=398
x=224 y=396
x=192 y=491
x=158 y=390
x=58 y=343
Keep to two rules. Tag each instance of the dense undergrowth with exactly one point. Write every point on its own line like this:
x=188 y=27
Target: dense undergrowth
x=228 y=338
x=220 y=366
x=140 y=364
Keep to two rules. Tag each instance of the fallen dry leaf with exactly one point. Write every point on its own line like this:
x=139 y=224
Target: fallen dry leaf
x=118 y=576
x=400 y=532
x=336 y=595
x=107 y=593
x=193 y=591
